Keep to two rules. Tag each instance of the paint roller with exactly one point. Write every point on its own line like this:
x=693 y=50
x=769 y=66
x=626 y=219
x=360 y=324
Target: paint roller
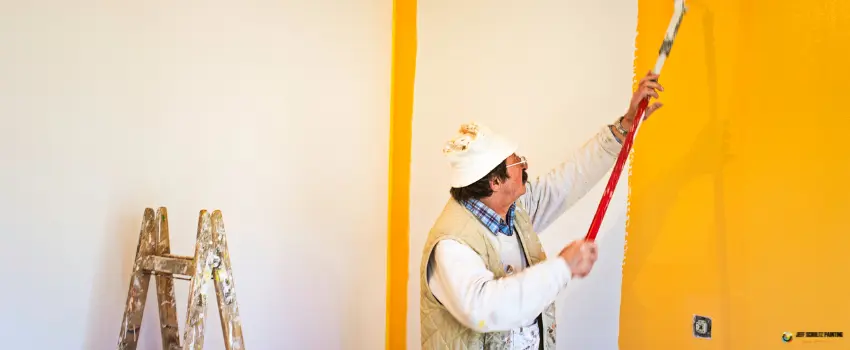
x=679 y=10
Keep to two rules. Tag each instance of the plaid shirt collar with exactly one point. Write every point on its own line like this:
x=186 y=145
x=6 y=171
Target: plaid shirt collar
x=490 y=219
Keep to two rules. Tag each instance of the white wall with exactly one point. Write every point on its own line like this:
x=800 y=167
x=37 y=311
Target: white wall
x=275 y=112
x=549 y=74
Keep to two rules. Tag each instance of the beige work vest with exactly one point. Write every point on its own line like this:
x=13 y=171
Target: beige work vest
x=439 y=329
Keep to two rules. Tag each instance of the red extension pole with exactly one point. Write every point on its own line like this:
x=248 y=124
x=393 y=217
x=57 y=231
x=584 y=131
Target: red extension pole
x=615 y=176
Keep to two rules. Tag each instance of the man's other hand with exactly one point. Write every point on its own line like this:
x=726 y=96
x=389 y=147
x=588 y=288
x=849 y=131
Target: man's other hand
x=648 y=87
x=580 y=256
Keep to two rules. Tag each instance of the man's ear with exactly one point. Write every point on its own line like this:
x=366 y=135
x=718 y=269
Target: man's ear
x=495 y=184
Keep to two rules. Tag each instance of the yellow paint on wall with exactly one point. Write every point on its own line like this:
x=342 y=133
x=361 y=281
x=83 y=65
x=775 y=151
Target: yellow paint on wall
x=740 y=185
x=401 y=115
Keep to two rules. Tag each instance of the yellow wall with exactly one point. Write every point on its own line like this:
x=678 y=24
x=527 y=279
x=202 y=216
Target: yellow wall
x=401 y=115
x=740 y=203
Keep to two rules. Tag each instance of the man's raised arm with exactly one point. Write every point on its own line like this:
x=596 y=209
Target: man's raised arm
x=551 y=194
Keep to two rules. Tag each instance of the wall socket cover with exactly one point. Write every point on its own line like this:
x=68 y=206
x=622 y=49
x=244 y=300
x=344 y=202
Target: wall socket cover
x=702 y=327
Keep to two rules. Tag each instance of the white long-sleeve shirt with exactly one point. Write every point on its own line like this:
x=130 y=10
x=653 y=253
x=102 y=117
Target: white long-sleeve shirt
x=459 y=279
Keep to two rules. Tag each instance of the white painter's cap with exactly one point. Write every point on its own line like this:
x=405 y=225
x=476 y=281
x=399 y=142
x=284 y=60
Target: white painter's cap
x=474 y=152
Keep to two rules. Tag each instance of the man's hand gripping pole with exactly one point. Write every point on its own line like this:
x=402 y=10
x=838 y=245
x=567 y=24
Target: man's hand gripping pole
x=678 y=14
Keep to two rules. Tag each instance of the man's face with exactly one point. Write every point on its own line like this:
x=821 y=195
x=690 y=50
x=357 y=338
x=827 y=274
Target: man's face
x=517 y=175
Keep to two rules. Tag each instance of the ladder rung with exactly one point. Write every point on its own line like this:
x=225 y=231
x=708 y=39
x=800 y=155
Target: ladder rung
x=178 y=257
x=173 y=264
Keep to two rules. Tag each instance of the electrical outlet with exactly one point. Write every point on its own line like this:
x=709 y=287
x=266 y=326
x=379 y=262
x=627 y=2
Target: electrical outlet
x=702 y=327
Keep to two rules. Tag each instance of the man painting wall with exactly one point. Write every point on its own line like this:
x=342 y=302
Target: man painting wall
x=485 y=280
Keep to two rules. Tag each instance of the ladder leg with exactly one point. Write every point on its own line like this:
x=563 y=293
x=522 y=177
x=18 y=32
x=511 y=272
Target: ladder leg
x=135 y=306
x=193 y=335
x=165 y=289
x=231 y=324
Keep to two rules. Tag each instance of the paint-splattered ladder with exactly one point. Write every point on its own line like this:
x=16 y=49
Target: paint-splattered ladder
x=211 y=262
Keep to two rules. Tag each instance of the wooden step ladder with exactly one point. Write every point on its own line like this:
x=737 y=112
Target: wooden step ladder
x=210 y=263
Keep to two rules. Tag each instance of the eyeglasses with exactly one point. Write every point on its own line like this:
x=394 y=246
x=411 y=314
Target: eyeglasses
x=522 y=161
